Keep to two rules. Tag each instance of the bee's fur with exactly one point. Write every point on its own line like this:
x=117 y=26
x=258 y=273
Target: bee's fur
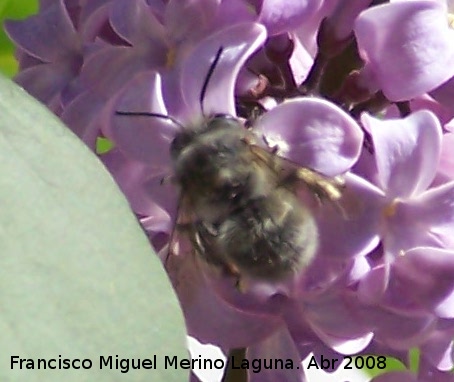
x=241 y=198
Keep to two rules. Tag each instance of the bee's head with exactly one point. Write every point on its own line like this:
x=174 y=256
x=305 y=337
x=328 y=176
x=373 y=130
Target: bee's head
x=187 y=136
x=212 y=159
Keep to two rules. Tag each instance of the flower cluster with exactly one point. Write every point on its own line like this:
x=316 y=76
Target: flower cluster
x=361 y=89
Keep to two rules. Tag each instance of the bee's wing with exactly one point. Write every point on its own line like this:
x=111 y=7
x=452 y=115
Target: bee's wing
x=290 y=174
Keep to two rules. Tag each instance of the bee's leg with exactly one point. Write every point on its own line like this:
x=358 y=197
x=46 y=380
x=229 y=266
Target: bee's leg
x=322 y=186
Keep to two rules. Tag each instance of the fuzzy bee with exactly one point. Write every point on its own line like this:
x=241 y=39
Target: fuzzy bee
x=238 y=200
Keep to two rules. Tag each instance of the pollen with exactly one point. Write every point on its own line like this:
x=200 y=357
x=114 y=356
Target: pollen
x=390 y=210
x=170 y=58
x=451 y=20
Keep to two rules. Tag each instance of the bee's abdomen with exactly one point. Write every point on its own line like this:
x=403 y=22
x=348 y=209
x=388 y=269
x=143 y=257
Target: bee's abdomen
x=269 y=239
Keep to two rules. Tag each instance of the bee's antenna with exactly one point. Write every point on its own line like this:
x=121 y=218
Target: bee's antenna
x=150 y=114
x=201 y=99
x=208 y=77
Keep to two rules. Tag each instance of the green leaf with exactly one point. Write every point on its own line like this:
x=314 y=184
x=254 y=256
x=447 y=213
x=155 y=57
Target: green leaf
x=392 y=364
x=8 y=64
x=103 y=145
x=3 y=4
x=78 y=278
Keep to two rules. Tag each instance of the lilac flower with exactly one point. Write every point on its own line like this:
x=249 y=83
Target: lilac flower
x=336 y=135
x=49 y=61
x=407 y=153
x=407 y=47
x=282 y=16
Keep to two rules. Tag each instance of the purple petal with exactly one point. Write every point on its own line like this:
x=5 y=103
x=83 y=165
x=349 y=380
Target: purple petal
x=158 y=187
x=444 y=94
x=146 y=139
x=131 y=176
x=280 y=16
x=94 y=23
x=25 y=60
x=91 y=7
x=171 y=91
x=445 y=308
x=407 y=45
x=43 y=4
x=437 y=350
x=359 y=269
x=433 y=212
x=333 y=316
x=118 y=64
x=323 y=273
x=366 y=167
x=313 y=133
x=407 y=152
x=135 y=22
x=184 y=18
x=300 y=62
x=278 y=346
x=305 y=339
x=210 y=319
x=158 y=7
x=48 y=36
x=428 y=373
x=158 y=221
x=350 y=226
x=308 y=31
x=259 y=297
x=238 y=42
x=373 y=286
x=399 y=331
x=443 y=113
x=342 y=18
x=420 y=280
x=46 y=81
x=233 y=12
x=80 y=115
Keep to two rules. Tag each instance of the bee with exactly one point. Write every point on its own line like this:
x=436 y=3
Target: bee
x=238 y=200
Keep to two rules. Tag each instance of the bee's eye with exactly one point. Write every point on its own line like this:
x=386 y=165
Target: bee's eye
x=180 y=141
